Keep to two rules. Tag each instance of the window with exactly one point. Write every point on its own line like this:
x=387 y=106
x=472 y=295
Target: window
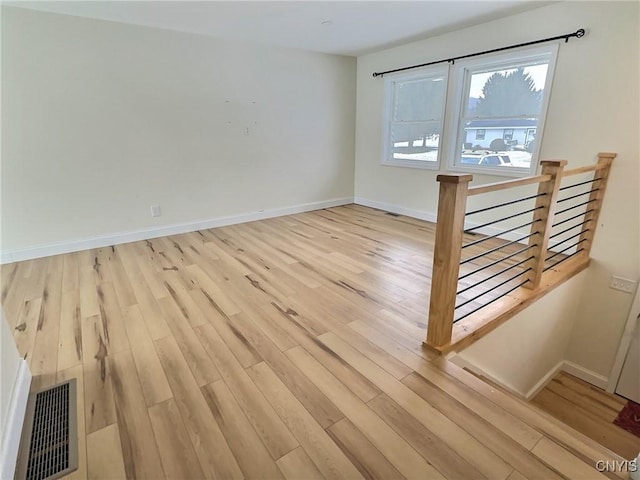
x=506 y=95
x=507 y=134
x=415 y=111
x=495 y=108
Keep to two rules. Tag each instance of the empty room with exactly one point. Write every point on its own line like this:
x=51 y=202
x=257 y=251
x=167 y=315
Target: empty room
x=320 y=240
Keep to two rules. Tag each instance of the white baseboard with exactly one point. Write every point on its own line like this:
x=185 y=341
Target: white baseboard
x=463 y=363
x=588 y=376
x=544 y=380
x=15 y=418
x=432 y=217
x=563 y=365
x=18 y=255
x=388 y=207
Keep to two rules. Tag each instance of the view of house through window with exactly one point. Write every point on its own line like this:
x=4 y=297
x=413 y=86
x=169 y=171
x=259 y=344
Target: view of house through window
x=500 y=115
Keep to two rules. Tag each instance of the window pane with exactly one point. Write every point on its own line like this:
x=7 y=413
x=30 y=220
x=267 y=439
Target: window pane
x=419 y=100
x=484 y=138
x=509 y=92
x=415 y=141
x=501 y=113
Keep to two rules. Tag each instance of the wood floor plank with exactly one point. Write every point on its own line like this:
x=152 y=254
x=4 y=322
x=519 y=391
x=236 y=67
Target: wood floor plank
x=516 y=475
x=505 y=422
x=185 y=303
x=140 y=454
x=605 y=433
x=98 y=395
x=297 y=465
x=121 y=284
x=510 y=451
x=62 y=376
x=70 y=335
x=317 y=403
x=214 y=454
x=486 y=461
x=151 y=376
x=288 y=320
x=199 y=362
x=324 y=453
x=250 y=452
x=612 y=401
x=88 y=295
x=579 y=445
x=361 y=452
x=146 y=301
x=241 y=348
x=397 y=451
x=589 y=410
x=273 y=432
x=565 y=463
x=26 y=326
x=43 y=364
x=104 y=454
x=214 y=291
x=429 y=445
x=70 y=273
x=115 y=334
x=178 y=457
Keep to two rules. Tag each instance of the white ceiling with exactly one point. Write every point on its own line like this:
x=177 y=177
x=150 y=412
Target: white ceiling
x=354 y=28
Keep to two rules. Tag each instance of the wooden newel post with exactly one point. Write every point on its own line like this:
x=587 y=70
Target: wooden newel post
x=446 y=256
x=591 y=218
x=543 y=219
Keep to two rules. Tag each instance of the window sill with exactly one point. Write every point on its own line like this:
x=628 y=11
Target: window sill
x=493 y=171
x=420 y=164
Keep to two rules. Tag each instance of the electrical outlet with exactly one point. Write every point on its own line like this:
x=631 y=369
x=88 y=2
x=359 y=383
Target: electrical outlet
x=623 y=284
x=155 y=211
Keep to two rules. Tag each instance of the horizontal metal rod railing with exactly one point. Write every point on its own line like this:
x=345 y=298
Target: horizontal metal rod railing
x=500 y=260
x=578 y=184
x=497 y=274
x=504 y=294
x=499 y=247
x=536 y=252
x=504 y=204
x=513 y=277
x=493 y=222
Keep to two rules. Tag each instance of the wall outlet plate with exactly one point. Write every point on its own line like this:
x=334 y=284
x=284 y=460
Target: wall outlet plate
x=623 y=284
x=155 y=211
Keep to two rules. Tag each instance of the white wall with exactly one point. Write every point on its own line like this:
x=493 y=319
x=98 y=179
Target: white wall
x=15 y=380
x=594 y=107
x=523 y=350
x=9 y=364
x=101 y=120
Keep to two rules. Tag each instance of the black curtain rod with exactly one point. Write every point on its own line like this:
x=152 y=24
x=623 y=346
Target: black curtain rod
x=577 y=34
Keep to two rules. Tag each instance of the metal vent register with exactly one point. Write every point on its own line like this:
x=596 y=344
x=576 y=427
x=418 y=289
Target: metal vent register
x=49 y=446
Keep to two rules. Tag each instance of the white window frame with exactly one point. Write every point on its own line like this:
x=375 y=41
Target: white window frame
x=458 y=88
x=387 y=117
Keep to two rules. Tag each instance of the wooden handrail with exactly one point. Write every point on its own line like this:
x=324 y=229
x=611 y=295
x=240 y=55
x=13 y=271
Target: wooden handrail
x=587 y=169
x=494 y=187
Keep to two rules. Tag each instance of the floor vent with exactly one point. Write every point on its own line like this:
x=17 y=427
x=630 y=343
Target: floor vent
x=391 y=214
x=49 y=446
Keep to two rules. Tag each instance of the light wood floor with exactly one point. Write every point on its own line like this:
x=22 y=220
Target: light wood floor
x=288 y=347
x=589 y=410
